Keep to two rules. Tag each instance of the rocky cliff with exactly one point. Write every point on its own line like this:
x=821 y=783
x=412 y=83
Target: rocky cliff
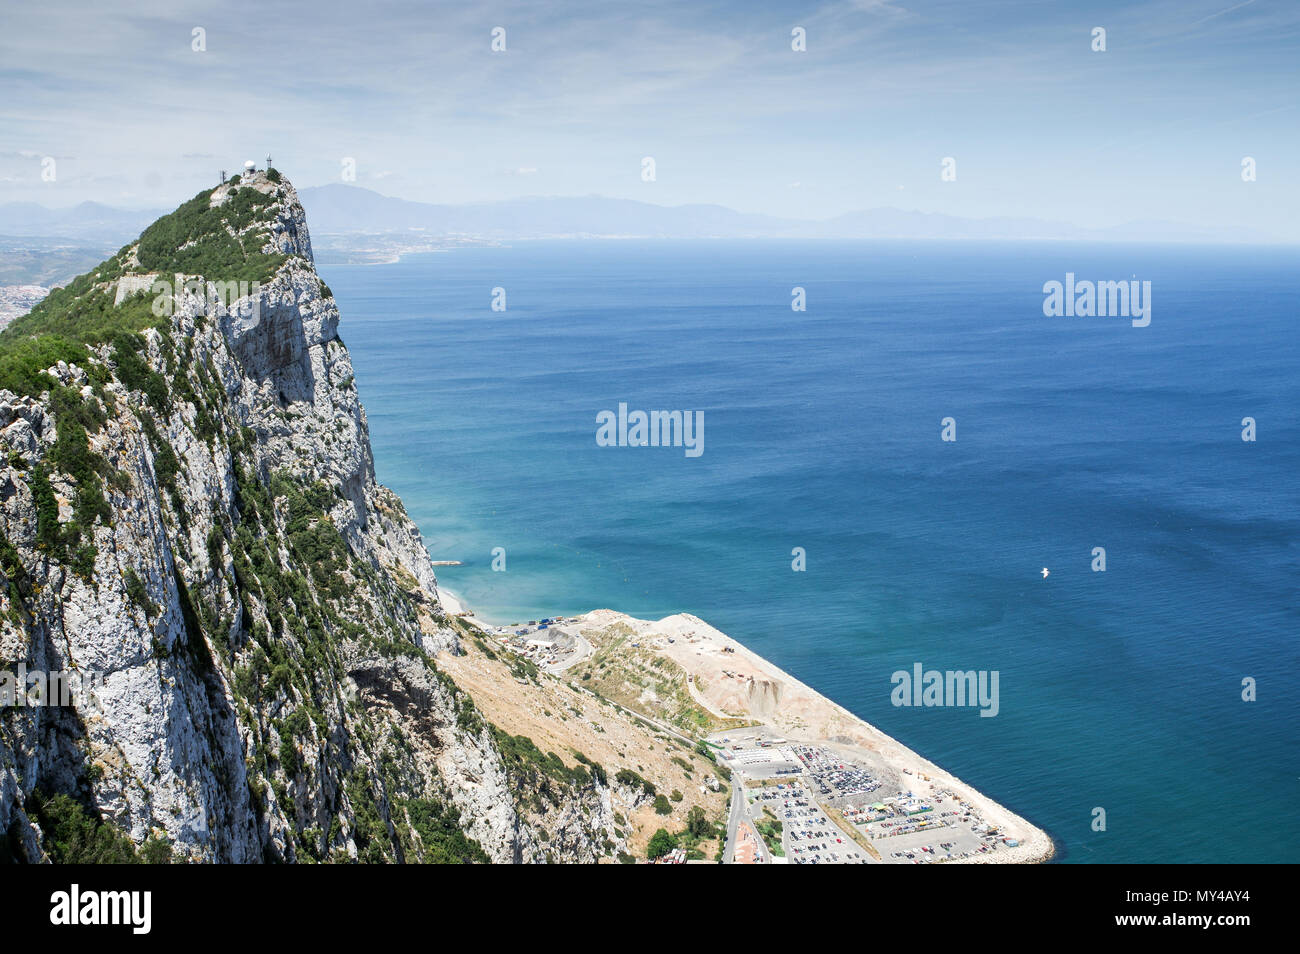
x=189 y=513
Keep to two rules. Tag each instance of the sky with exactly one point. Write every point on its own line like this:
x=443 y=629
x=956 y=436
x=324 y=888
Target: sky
x=1039 y=124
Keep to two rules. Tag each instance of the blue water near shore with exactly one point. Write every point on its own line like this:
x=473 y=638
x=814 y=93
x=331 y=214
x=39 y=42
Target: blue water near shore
x=1119 y=689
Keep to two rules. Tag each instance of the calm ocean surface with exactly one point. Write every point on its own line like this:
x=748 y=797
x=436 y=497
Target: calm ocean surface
x=1119 y=689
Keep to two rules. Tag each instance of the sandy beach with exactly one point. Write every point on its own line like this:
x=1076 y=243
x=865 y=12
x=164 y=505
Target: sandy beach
x=450 y=603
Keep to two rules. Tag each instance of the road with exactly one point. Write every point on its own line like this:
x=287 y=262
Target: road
x=581 y=652
x=698 y=698
x=733 y=817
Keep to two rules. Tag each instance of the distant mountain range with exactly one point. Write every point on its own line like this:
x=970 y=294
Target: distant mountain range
x=341 y=208
x=87 y=221
x=350 y=210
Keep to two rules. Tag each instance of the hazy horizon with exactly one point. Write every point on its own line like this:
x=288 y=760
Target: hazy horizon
x=613 y=217
x=135 y=108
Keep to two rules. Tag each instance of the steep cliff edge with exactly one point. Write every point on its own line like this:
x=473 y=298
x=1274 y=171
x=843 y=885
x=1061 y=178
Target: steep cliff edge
x=189 y=511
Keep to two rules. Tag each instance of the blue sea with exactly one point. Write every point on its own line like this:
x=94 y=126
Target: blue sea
x=1119 y=689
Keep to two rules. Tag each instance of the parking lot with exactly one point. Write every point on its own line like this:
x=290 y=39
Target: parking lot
x=801 y=785
x=833 y=776
x=809 y=836
x=912 y=831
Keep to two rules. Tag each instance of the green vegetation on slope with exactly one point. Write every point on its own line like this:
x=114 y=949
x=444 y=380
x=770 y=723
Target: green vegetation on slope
x=196 y=239
x=84 y=313
x=23 y=361
x=538 y=777
x=305 y=599
x=698 y=829
x=661 y=843
x=75 y=418
x=75 y=836
x=441 y=839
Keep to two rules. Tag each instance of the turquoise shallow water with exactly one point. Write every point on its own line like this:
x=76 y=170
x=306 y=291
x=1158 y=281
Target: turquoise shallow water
x=1118 y=689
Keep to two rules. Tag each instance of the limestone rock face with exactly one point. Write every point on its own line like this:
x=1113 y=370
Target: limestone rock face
x=260 y=612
